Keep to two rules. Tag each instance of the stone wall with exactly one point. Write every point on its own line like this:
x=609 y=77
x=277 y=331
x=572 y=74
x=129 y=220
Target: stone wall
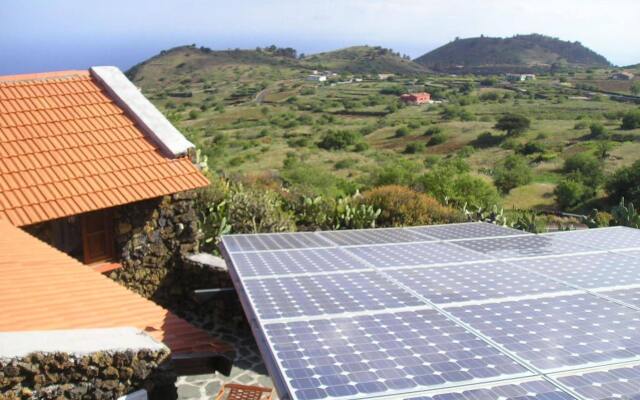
x=152 y=237
x=99 y=375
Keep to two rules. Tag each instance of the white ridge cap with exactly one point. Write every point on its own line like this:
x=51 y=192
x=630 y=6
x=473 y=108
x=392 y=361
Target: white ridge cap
x=76 y=341
x=145 y=114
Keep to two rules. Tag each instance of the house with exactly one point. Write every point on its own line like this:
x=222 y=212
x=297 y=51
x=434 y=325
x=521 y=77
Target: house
x=416 y=98
x=317 y=78
x=622 y=76
x=51 y=303
x=81 y=154
x=520 y=77
x=384 y=77
x=90 y=168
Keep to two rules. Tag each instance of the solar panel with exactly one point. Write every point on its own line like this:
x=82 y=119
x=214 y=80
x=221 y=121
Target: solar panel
x=559 y=333
x=523 y=246
x=288 y=297
x=467 y=311
x=621 y=382
x=587 y=271
x=382 y=353
x=614 y=238
x=533 y=389
x=265 y=263
x=467 y=282
x=273 y=241
x=467 y=230
x=374 y=236
x=399 y=255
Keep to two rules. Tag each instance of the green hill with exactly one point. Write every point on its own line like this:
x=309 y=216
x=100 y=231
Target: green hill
x=363 y=60
x=521 y=53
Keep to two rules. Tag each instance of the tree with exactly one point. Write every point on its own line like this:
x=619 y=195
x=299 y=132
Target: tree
x=625 y=183
x=513 y=124
x=512 y=172
x=337 y=140
x=635 y=88
x=597 y=130
x=571 y=192
x=586 y=168
x=631 y=120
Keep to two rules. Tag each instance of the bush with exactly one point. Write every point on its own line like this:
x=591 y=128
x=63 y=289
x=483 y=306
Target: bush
x=625 y=183
x=585 y=167
x=193 y=114
x=513 y=124
x=402 y=132
x=450 y=182
x=400 y=172
x=631 y=120
x=360 y=147
x=437 y=139
x=532 y=148
x=598 y=131
x=487 y=139
x=402 y=206
x=580 y=125
x=570 y=193
x=512 y=172
x=434 y=130
x=337 y=140
x=489 y=96
x=413 y=148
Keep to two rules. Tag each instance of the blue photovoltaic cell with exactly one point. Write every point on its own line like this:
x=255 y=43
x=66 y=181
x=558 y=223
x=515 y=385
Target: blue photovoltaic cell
x=360 y=357
x=629 y=296
x=273 y=241
x=606 y=384
x=559 y=332
x=467 y=231
x=466 y=282
x=294 y=262
x=325 y=294
x=587 y=271
x=613 y=238
x=537 y=389
x=398 y=255
x=522 y=246
x=374 y=236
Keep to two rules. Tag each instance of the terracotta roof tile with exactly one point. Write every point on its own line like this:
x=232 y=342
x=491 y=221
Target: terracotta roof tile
x=63 y=133
x=43 y=288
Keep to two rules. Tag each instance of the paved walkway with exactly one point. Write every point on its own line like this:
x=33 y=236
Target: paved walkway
x=248 y=367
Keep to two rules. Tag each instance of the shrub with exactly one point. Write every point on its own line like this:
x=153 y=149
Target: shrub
x=513 y=124
x=489 y=96
x=580 y=125
x=402 y=132
x=597 y=130
x=512 y=172
x=532 y=148
x=571 y=192
x=413 y=148
x=585 y=167
x=193 y=114
x=401 y=206
x=631 y=120
x=360 y=147
x=437 y=139
x=400 y=172
x=487 y=139
x=337 y=140
x=625 y=183
x=433 y=130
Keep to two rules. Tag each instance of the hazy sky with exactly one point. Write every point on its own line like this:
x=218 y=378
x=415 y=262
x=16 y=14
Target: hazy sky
x=41 y=35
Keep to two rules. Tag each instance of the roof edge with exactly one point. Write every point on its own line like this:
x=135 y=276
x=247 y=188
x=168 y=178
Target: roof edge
x=43 y=75
x=155 y=125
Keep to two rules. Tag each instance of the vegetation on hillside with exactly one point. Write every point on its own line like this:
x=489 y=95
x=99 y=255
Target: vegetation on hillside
x=530 y=51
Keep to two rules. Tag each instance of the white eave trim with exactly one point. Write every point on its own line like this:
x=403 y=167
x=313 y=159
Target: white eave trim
x=155 y=125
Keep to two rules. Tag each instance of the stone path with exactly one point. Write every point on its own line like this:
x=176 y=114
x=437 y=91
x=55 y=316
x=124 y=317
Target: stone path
x=248 y=367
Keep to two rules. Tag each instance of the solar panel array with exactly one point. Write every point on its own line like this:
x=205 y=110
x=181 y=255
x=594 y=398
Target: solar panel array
x=463 y=311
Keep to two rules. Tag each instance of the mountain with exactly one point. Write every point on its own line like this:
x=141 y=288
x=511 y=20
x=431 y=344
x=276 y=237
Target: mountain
x=363 y=59
x=520 y=53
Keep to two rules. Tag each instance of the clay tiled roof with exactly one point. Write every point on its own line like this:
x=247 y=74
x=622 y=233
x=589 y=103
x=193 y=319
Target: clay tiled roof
x=66 y=148
x=45 y=289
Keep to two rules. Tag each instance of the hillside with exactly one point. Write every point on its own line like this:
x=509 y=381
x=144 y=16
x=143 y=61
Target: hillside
x=364 y=59
x=520 y=53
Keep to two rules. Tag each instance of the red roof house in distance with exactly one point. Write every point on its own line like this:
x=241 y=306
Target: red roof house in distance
x=416 y=98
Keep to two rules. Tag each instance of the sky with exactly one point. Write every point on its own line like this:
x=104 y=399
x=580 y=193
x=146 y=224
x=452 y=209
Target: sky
x=48 y=35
